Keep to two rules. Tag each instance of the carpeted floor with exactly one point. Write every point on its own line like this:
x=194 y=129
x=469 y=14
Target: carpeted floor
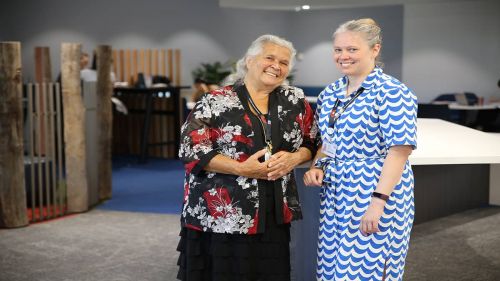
x=103 y=245
x=110 y=244
x=153 y=187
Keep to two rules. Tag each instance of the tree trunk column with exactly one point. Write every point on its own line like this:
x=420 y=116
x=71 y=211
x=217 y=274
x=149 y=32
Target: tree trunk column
x=105 y=119
x=12 y=191
x=74 y=129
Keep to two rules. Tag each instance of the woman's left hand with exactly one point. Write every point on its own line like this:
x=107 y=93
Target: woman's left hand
x=280 y=164
x=370 y=220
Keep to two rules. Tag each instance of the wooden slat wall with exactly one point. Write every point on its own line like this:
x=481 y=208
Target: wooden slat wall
x=127 y=64
x=43 y=74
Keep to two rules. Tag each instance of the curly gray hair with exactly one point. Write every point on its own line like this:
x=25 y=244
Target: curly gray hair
x=255 y=49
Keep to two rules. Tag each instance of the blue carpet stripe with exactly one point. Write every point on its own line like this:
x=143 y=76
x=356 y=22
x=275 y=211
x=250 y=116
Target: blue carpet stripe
x=154 y=187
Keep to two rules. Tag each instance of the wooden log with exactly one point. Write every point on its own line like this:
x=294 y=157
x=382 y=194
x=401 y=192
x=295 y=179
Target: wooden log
x=74 y=129
x=12 y=191
x=105 y=120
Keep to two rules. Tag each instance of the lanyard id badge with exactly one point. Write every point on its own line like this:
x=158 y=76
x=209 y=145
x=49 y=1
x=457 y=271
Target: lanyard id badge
x=337 y=112
x=269 y=152
x=329 y=148
x=266 y=129
x=329 y=145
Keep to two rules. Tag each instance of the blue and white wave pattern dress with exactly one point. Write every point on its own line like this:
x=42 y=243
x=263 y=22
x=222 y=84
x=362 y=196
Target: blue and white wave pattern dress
x=384 y=115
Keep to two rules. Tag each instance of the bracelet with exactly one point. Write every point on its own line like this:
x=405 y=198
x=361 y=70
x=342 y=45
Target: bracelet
x=380 y=196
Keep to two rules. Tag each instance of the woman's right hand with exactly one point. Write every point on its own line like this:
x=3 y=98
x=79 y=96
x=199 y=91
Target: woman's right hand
x=313 y=177
x=252 y=167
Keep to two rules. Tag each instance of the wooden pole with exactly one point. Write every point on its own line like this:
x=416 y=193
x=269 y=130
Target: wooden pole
x=115 y=63
x=43 y=74
x=105 y=120
x=170 y=65
x=74 y=129
x=121 y=75
x=177 y=67
x=12 y=191
x=43 y=68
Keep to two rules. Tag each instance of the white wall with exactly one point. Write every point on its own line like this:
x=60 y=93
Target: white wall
x=203 y=31
x=312 y=32
x=433 y=48
x=452 y=47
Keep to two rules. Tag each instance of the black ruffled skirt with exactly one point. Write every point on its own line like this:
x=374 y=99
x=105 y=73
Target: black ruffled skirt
x=206 y=256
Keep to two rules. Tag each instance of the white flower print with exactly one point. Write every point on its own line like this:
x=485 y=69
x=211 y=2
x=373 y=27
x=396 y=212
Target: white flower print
x=294 y=94
x=218 y=123
x=284 y=182
x=242 y=181
x=223 y=102
x=227 y=219
x=294 y=136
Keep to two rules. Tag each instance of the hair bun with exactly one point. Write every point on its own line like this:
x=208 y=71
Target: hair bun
x=367 y=21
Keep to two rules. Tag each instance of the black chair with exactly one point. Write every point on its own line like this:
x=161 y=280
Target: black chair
x=429 y=110
x=471 y=98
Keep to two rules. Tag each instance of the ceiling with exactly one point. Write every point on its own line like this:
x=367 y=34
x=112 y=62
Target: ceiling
x=291 y=5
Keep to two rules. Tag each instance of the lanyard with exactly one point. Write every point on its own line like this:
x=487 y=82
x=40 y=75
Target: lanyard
x=266 y=130
x=335 y=114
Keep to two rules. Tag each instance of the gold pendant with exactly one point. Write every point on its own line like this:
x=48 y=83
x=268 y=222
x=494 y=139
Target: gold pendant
x=269 y=151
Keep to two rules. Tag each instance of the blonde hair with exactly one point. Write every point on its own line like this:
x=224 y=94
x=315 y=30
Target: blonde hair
x=255 y=49
x=369 y=30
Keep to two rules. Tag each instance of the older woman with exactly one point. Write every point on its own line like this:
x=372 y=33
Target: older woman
x=367 y=121
x=240 y=144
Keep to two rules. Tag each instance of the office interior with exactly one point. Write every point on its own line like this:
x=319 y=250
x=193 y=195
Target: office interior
x=436 y=47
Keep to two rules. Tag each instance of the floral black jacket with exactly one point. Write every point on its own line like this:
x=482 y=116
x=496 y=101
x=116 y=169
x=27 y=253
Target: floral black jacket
x=222 y=123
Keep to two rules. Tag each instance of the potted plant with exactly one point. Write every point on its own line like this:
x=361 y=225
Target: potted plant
x=212 y=73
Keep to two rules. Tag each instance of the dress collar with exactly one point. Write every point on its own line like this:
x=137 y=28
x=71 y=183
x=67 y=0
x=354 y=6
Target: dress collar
x=368 y=82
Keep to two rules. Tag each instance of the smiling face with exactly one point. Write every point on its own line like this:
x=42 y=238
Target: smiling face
x=269 y=68
x=352 y=54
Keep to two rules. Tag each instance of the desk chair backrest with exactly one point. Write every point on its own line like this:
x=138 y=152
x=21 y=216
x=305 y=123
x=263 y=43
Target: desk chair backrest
x=429 y=110
x=465 y=98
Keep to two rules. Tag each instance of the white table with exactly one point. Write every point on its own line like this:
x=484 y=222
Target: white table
x=445 y=143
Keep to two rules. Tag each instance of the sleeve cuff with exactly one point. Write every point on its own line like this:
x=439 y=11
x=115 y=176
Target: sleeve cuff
x=203 y=162
x=310 y=147
x=321 y=162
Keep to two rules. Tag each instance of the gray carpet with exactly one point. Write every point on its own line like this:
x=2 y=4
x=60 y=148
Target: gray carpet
x=122 y=246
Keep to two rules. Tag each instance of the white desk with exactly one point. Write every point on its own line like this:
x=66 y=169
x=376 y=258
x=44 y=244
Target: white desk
x=445 y=143
x=442 y=142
